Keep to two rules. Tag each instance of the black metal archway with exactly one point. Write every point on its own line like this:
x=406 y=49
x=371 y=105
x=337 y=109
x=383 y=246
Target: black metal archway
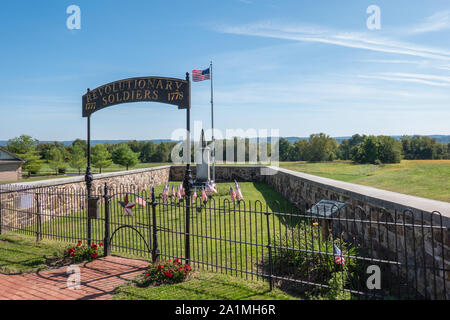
x=153 y=89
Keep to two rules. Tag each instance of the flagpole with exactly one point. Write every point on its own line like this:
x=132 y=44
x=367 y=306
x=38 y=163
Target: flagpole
x=212 y=127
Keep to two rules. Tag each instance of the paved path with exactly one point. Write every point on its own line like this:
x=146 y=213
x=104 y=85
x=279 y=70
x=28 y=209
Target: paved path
x=98 y=280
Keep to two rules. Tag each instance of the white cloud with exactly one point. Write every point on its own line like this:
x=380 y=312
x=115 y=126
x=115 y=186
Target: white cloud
x=427 y=79
x=364 y=41
x=437 y=22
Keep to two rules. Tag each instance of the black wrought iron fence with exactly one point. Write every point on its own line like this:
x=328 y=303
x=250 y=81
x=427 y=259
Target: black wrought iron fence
x=323 y=251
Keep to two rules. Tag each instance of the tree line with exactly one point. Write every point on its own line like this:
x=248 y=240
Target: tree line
x=319 y=147
x=363 y=149
x=59 y=156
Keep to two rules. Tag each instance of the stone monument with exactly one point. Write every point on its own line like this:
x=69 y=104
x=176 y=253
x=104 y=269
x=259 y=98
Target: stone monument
x=203 y=167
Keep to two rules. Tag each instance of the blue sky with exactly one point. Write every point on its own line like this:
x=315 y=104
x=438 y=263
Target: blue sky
x=298 y=66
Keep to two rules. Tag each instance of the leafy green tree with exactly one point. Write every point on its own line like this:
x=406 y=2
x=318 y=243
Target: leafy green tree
x=285 y=149
x=44 y=149
x=389 y=150
x=367 y=151
x=300 y=150
x=162 y=153
x=78 y=159
x=56 y=160
x=124 y=156
x=147 y=151
x=101 y=158
x=33 y=162
x=25 y=147
x=81 y=143
x=321 y=148
x=22 y=144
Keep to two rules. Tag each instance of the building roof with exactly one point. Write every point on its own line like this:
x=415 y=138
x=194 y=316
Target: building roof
x=8 y=156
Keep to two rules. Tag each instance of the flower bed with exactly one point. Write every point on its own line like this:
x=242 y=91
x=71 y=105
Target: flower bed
x=169 y=272
x=83 y=252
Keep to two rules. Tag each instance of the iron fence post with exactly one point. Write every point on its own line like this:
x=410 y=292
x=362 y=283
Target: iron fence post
x=155 y=249
x=106 y=242
x=269 y=247
x=188 y=181
x=38 y=218
x=1 y=220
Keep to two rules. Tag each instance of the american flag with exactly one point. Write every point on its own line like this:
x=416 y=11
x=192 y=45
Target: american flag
x=338 y=258
x=140 y=200
x=204 y=196
x=210 y=188
x=165 y=193
x=200 y=75
x=238 y=190
x=183 y=193
x=178 y=193
x=194 y=195
x=232 y=194
x=173 y=192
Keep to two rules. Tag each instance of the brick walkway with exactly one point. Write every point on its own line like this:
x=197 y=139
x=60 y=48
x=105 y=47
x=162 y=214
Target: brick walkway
x=98 y=280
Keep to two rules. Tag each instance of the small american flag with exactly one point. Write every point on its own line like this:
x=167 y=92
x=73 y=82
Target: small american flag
x=194 y=195
x=140 y=200
x=178 y=193
x=183 y=193
x=173 y=193
x=232 y=194
x=165 y=193
x=204 y=196
x=338 y=258
x=200 y=75
x=210 y=188
x=238 y=190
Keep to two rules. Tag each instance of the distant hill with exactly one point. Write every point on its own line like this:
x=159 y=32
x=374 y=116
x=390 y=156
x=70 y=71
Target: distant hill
x=439 y=138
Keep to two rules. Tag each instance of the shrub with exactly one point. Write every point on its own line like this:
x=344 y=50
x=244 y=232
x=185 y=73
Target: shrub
x=83 y=252
x=313 y=261
x=169 y=272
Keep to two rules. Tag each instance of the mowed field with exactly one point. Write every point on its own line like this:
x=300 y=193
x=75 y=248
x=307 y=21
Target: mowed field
x=422 y=178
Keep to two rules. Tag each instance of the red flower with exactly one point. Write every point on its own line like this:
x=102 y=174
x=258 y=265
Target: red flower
x=188 y=267
x=160 y=267
x=100 y=244
x=176 y=260
x=73 y=254
x=147 y=274
x=168 y=274
x=180 y=268
x=170 y=260
x=185 y=272
x=93 y=246
x=94 y=255
x=79 y=243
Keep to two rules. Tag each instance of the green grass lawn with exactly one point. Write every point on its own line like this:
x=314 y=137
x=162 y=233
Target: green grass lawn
x=205 y=286
x=20 y=253
x=230 y=222
x=423 y=178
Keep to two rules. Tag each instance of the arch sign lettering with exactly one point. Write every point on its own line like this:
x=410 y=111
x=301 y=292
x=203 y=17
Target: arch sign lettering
x=154 y=89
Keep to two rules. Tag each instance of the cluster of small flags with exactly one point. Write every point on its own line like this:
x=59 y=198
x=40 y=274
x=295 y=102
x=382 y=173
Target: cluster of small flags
x=208 y=188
